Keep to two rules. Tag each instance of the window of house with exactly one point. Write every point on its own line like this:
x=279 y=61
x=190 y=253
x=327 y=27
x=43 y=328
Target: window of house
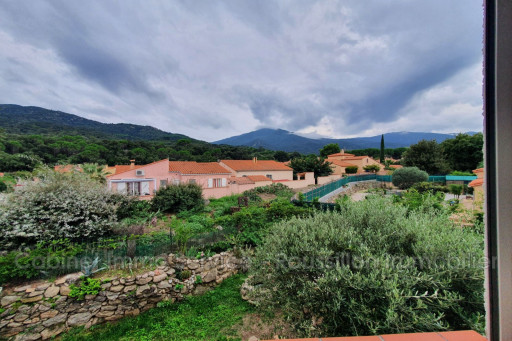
x=192 y=181
x=176 y=182
x=218 y=182
x=133 y=188
x=269 y=176
x=163 y=183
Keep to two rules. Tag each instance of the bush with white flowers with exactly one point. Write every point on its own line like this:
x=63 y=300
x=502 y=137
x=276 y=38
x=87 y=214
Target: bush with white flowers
x=57 y=206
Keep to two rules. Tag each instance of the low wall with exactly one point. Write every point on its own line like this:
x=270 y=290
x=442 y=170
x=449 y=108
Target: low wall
x=44 y=310
x=325 y=179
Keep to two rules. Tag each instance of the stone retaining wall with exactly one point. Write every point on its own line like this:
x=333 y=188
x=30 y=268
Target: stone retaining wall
x=43 y=310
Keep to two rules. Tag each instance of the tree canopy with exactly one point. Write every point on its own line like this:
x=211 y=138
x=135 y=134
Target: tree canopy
x=331 y=148
x=311 y=163
x=427 y=156
x=464 y=152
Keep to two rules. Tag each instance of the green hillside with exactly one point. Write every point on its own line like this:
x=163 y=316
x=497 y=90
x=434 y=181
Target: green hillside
x=17 y=119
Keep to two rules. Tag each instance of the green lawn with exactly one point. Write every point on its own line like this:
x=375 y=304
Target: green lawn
x=207 y=317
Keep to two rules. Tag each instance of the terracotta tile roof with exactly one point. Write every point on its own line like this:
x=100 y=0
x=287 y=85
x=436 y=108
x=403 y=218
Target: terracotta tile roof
x=258 y=165
x=478 y=170
x=340 y=154
x=340 y=163
x=258 y=178
x=1 y=174
x=192 y=167
x=356 y=157
x=242 y=180
x=476 y=183
x=396 y=166
x=123 y=168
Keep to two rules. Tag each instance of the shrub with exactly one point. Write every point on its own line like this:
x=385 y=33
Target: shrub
x=405 y=177
x=277 y=189
x=178 y=198
x=456 y=189
x=87 y=286
x=459 y=173
x=424 y=187
x=47 y=258
x=3 y=187
x=57 y=206
x=425 y=202
x=351 y=169
x=372 y=168
x=374 y=269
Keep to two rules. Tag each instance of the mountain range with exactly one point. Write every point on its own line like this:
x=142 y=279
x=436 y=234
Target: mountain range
x=18 y=119
x=279 y=139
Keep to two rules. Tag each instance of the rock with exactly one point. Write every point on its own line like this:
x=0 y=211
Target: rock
x=105 y=313
x=129 y=288
x=35 y=293
x=159 y=278
x=49 y=314
x=133 y=312
x=193 y=265
x=79 y=319
x=20 y=317
x=112 y=296
x=164 y=285
x=108 y=307
x=43 y=287
x=170 y=272
x=51 y=332
x=210 y=276
x=51 y=291
x=64 y=290
x=27 y=337
x=171 y=259
x=144 y=281
x=61 y=318
x=117 y=288
x=201 y=289
x=142 y=289
x=6 y=300
x=105 y=286
x=32 y=299
x=23 y=288
x=253 y=338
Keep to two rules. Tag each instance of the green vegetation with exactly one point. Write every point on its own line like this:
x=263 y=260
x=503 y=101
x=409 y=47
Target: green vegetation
x=406 y=177
x=382 y=150
x=371 y=168
x=464 y=152
x=427 y=156
x=328 y=149
x=351 y=169
x=459 y=173
x=178 y=198
x=58 y=206
x=86 y=286
x=311 y=163
x=374 y=268
x=212 y=316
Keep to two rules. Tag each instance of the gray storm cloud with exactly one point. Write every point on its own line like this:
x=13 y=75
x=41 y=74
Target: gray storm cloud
x=215 y=69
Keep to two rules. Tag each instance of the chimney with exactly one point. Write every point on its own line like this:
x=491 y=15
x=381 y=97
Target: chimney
x=132 y=164
x=255 y=159
x=343 y=151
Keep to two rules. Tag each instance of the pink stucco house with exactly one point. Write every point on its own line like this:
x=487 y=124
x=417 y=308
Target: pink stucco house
x=143 y=181
x=216 y=179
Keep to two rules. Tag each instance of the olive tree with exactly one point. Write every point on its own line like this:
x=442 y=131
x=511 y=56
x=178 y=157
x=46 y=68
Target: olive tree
x=404 y=178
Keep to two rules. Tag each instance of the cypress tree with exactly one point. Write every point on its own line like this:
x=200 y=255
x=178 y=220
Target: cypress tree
x=382 y=148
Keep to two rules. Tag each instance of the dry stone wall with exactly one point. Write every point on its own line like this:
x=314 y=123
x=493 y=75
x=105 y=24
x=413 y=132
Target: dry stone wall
x=44 y=310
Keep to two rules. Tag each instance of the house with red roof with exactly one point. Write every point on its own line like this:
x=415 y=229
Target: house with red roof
x=273 y=170
x=342 y=160
x=144 y=180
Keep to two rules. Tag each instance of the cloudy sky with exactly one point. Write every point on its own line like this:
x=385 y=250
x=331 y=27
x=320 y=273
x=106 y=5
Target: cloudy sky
x=213 y=69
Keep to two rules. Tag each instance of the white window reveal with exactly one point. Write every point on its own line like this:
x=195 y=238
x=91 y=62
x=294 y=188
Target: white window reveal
x=224 y=182
x=210 y=183
x=192 y=181
x=163 y=183
x=121 y=187
x=144 y=188
x=176 y=182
